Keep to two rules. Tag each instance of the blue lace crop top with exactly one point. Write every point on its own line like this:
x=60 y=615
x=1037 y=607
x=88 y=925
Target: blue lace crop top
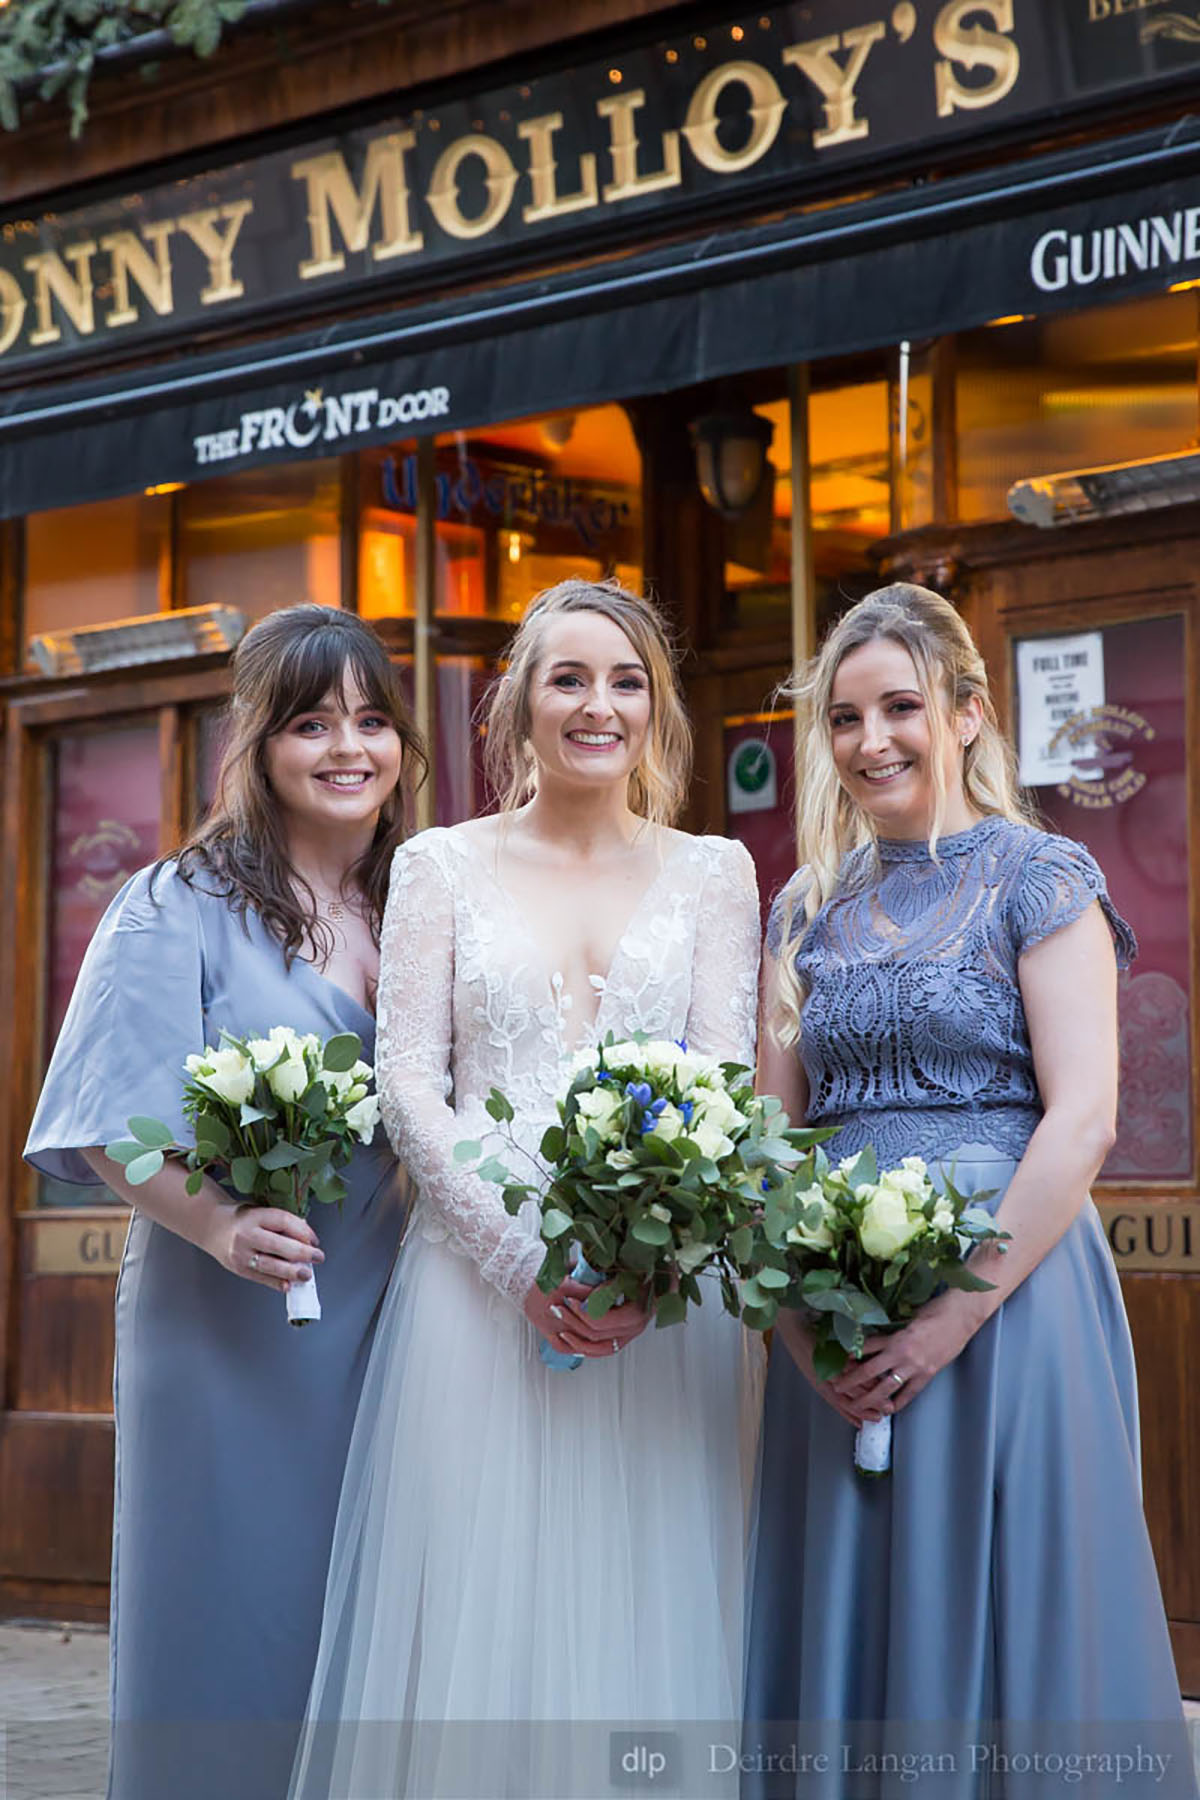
x=913 y=1034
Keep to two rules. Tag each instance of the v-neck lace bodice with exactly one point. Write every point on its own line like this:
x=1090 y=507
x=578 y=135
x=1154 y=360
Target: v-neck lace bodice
x=467 y=1003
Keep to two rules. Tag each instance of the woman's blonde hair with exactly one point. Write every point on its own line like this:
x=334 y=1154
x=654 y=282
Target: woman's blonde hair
x=950 y=673
x=658 y=785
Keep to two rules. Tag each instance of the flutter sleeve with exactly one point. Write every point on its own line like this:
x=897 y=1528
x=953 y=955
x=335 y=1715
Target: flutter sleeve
x=412 y=1070
x=136 y=1013
x=1056 y=882
x=787 y=912
x=723 y=1012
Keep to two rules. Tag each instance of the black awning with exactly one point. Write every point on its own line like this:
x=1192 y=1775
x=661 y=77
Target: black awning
x=1044 y=235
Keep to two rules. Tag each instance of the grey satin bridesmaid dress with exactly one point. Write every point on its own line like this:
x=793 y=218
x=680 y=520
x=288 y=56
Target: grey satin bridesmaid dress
x=232 y=1427
x=990 y=1610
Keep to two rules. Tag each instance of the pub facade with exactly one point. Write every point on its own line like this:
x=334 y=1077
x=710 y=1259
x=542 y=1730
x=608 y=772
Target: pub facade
x=752 y=308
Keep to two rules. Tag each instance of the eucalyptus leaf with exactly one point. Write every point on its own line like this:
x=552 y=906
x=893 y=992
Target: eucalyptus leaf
x=773 y=1278
x=213 y=1130
x=281 y=1156
x=829 y=1359
x=498 y=1108
x=152 y=1133
x=342 y=1052
x=242 y=1171
x=124 y=1150
x=760 y=1318
x=602 y=1300
x=555 y=1224
x=251 y=1115
x=143 y=1167
x=195 y=1181
x=554 y=1143
x=670 y=1310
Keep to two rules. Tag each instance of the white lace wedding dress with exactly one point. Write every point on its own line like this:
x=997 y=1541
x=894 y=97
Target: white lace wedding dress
x=527 y=1561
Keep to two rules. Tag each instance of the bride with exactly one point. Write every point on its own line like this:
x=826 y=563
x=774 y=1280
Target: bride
x=531 y=1566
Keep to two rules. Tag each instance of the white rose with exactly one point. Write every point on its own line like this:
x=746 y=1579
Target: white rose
x=288 y=1080
x=887 y=1225
x=906 y=1181
x=916 y=1163
x=262 y=1053
x=943 y=1216
x=710 y=1139
x=819 y=1236
x=620 y=1159
x=363 y=1117
x=620 y=1056
x=669 y=1123
x=226 y=1073
x=715 y=1105
x=600 y=1107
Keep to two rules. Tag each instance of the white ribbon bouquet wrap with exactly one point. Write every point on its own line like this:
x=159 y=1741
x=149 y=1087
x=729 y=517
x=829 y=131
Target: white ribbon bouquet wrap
x=274 y=1118
x=859 y=1251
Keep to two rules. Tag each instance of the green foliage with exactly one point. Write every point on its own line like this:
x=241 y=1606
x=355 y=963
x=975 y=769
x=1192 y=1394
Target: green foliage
x=54 y=43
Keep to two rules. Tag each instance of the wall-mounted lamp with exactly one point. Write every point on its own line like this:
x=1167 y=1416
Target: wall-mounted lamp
x=731 y=458
x=124 y=643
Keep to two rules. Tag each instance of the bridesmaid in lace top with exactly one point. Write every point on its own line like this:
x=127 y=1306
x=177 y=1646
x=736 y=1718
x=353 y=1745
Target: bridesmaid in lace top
x=942 y=982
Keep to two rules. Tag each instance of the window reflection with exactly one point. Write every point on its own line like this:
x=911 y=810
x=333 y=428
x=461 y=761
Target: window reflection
x=263 y=539
x=1076 y=391
x=88 y=565
x=104 y=825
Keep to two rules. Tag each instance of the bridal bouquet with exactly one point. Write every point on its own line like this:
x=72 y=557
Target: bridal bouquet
x=860 y=1250
x=275 y=1117
x=652 y=1176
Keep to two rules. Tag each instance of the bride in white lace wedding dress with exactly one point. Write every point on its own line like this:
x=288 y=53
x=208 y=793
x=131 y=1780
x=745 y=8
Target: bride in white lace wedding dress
x=528 y=1561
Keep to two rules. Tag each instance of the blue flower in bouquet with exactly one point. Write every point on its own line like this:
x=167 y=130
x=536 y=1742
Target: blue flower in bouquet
x=641 y=1091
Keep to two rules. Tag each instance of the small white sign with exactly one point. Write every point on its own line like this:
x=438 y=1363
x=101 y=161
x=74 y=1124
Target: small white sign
x=753 y=782
x=1057 y=680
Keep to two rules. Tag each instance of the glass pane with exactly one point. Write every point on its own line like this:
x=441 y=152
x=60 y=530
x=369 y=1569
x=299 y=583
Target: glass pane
x=1076 y=391
x=462 y=682
x=88 y=565
x=105 y=796
x=263 y=539
x=850 y=490
x=1126 y=799
x=519 y=507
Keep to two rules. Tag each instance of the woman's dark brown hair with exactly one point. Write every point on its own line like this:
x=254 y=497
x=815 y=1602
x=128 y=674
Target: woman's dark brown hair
x=284 y=666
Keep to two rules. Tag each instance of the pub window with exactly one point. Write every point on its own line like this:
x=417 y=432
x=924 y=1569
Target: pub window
x=262 y=539
x=519 y=506
x=85 y=565
x=105 y=800
x=1122 y=789
x=1075 y=391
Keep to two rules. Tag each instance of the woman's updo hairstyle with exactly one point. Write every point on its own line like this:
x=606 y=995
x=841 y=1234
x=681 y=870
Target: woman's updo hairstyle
x=659 y=784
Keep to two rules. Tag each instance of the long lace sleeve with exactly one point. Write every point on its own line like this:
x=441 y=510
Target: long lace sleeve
x=723 y=1012
x=412 y=1067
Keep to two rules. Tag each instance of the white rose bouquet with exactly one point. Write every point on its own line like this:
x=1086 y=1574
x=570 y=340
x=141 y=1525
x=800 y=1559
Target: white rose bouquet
x=860 y=1250
x=651 y=1178
x=274 y=1117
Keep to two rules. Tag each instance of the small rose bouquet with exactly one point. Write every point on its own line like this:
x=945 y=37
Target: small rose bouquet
x=858 y=1250
x=651 y=1178
x=275 y=1118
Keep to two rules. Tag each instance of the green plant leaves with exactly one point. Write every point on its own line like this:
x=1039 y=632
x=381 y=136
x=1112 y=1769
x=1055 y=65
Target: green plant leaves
x=143 y=1167
x=152 y=1132
x=341 y=1053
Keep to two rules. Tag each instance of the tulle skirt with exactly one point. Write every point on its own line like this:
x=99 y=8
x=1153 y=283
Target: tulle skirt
x=530 y=1567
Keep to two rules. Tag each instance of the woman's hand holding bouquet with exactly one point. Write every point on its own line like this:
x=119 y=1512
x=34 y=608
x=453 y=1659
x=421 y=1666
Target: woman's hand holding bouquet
x=275 y=1117
x=854 y=1250
x=651 y=1178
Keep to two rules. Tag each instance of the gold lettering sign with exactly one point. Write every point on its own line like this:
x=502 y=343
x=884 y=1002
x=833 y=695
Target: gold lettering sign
x=333 y=198
x=975 y=48
x=1146 y=1236
x=818 y=59
x=88 y=1245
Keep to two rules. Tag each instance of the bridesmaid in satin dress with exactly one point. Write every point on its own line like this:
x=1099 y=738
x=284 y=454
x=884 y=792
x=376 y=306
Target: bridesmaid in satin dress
x=942 y=982
x=232 y=1428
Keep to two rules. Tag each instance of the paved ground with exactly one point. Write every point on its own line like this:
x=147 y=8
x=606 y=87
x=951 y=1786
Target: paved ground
x=53 y=1712
x=53 y=1705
